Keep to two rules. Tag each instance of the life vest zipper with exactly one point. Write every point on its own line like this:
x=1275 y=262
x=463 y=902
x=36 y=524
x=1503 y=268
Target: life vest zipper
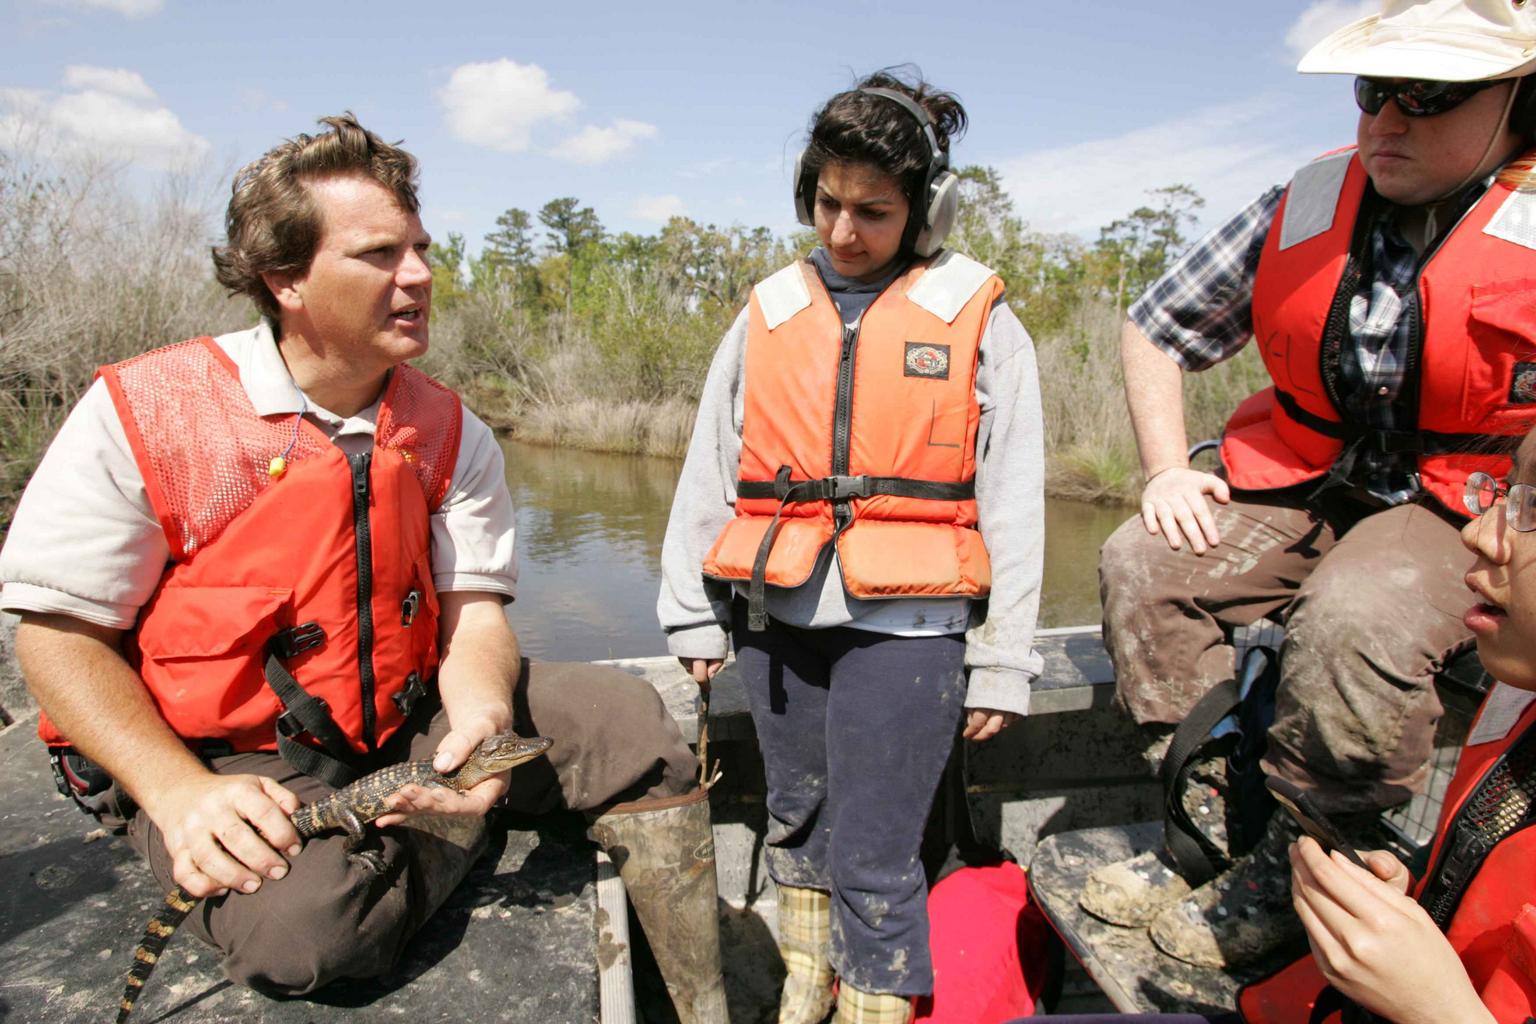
x=842 y=416
x=363 y=545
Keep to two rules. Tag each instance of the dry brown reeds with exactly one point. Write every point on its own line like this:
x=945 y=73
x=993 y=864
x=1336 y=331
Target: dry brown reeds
x=90 y=273
x=1090 y=449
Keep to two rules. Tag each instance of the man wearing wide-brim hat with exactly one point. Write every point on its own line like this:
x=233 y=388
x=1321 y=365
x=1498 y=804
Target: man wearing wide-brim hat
x=1388 y=287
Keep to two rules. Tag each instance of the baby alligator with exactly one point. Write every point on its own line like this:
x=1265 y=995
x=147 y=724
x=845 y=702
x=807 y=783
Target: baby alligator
x=349 y=809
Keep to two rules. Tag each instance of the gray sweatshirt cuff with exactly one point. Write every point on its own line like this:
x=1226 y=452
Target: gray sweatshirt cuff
x=706 y=641
x=1000 y=689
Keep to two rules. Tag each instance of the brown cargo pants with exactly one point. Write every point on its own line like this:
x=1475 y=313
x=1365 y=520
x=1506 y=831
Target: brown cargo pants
x=333 y=918
x=1372 y=605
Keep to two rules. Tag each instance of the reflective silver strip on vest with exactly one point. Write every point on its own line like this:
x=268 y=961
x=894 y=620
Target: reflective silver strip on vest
x=948 y=284
x=1515 y=220
x=1313 y=199
x=782 y=295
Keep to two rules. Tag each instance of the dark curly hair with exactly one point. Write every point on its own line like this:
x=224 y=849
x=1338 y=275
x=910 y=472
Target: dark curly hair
x=272 y=223
x=859 y=128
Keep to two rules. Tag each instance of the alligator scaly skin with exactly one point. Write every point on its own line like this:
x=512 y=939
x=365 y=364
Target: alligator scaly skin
x=348 y=809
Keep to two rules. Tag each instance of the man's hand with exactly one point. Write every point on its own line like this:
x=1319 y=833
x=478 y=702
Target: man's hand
x=1376 y=945
x=223 y=832
x=452 y=752
x=984 y=723
x=1174 y=504
x=702 y=670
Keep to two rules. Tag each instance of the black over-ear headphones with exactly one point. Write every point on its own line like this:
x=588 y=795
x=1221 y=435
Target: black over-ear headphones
x=930 y=221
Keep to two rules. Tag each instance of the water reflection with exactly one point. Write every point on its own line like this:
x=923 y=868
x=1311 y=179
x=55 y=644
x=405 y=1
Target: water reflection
x=589 y=530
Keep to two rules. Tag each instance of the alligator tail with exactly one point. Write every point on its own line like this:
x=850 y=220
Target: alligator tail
x=178 y=904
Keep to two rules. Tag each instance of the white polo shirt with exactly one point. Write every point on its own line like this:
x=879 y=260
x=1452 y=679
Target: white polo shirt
x=85 y=541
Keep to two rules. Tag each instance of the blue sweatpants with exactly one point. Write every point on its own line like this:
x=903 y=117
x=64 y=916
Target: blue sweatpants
x=855 y=729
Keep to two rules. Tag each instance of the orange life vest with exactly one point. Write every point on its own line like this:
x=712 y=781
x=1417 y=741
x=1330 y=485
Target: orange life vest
x=326 y=566
x=864 y=435
x=1471 y=378
x=1492 y=926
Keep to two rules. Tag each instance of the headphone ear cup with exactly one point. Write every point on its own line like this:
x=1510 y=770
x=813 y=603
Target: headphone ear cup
x=943 y=206
x=805 y=193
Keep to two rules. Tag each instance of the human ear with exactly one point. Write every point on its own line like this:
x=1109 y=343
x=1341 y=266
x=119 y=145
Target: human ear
x=286 y=288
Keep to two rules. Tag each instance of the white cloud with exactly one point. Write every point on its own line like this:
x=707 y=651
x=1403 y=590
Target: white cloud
x=1323 y=17
x=127 y=8
x=115 y=81
x=1229 y=154
x=497 y=103
x=593 y=145
x=657 y=209
x=110 y=112
x=253 y=100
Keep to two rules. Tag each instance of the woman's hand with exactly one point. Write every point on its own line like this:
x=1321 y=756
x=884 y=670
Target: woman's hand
x=1375 y=944
x=703 y=670
x=984 y=723
x=1174 y=504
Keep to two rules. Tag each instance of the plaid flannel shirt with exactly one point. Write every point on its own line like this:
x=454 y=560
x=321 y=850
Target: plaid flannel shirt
x=1200 y=312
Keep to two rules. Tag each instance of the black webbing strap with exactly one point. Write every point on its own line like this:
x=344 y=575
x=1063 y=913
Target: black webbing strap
x=1399 y=442
x=827 y=488
x=304 y=713
x=1198 y=859
x=842 y=488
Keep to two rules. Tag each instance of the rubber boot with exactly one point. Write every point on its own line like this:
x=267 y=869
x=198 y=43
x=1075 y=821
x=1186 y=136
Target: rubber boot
x=856 y=1007
x=665 y=853
x=805 y=925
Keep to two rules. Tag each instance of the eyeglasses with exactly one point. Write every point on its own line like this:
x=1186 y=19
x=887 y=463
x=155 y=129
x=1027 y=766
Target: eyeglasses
x=1483 y=491
x=1415 y=97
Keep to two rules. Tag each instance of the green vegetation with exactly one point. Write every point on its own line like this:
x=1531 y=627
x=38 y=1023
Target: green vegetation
x=558 y=330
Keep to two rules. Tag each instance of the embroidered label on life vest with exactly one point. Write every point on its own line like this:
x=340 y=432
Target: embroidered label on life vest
x=1522 y=387
x=925 y=360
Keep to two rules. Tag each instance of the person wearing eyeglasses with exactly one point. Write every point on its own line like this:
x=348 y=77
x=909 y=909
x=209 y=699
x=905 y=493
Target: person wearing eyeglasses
x=1388 y=286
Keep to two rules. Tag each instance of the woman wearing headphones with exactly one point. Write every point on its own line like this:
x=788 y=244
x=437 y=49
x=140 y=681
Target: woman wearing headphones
x=865 y=468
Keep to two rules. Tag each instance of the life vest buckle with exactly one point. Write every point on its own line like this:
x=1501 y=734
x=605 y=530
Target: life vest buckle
x=409 y=607
x=297 y=639
x=289 y=725
x=414 y=690
x=843 y=488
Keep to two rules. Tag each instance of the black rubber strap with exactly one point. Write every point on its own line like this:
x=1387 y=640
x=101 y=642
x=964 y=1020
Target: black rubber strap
x=1399 y=442
x=1198 y=859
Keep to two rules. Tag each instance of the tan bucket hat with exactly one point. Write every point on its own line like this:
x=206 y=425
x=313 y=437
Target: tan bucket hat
x=1440 y=40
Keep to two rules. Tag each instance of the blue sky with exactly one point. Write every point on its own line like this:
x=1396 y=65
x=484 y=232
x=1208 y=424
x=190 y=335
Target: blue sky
x=643 y=110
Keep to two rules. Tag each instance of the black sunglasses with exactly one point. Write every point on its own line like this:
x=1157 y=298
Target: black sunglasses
x=1415 y=97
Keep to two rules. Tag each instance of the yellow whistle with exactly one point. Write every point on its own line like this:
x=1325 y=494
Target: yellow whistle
x=277 y=467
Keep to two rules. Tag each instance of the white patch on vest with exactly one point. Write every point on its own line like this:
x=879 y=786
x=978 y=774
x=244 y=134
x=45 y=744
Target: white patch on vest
x=948 y=284
x=1515 y=220
x=1501 y=710
x=782 y=295
x=1313 y=199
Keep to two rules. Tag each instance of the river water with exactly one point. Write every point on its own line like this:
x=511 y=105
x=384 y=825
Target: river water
x=589 y=529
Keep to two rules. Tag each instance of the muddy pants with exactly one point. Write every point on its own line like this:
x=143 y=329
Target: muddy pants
x=855 y=729
x=1372 y=606
x=332 y=918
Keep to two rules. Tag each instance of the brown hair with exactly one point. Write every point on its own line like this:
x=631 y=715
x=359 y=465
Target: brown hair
x=272 y=223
